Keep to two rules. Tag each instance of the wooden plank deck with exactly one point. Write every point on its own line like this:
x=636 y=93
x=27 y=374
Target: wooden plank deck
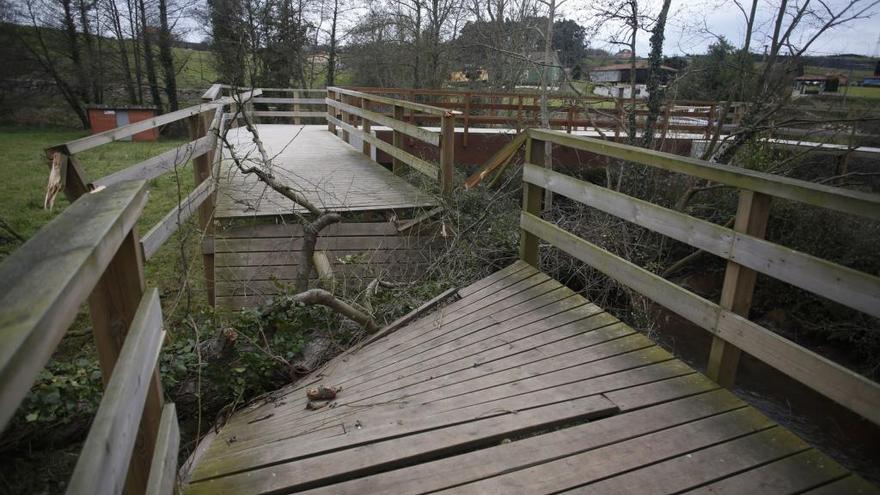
x=253 y=262
x=518 y=386
x=331 y=173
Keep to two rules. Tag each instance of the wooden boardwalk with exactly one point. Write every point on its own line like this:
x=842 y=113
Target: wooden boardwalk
x=518 y=386
x=331 y=173
x=256 y=244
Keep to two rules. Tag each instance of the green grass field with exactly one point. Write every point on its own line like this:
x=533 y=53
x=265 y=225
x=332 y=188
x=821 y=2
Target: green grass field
x=23 y=187
x=862 y=92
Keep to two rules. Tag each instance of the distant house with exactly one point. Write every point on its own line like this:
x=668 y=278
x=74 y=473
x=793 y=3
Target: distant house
x=532 y=74
x=815 y=84
x=469 y=75
x=614 y=80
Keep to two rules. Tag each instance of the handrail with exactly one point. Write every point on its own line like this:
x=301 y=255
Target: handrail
x=91 y=252
x=518 y=92
x=845 y=200
x=428 y=109
x=46 y=280
x=743 y=248
x=345 y=115
x=111 y=135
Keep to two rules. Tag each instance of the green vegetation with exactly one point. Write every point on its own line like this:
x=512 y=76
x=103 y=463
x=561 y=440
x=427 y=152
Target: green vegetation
x=196 y=68
x=862 y=92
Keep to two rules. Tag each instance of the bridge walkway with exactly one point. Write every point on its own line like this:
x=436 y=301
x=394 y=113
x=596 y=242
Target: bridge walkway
x=517 y=386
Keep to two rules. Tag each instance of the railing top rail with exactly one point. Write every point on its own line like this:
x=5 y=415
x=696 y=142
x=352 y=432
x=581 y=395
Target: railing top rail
x=108 y=136
x=514 y=93
x=420 y=107
x=213 y=92
x=845 y=200
x=49 y=277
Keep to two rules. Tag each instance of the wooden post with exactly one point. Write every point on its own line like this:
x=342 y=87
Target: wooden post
x=296 y=109
x=710 y=122
x=519 y=114
x=467 y=116
x=619 y=121
x=112 y=306
x=532 y=194
x=198 y=127
x=347 y=119
x=366 y=127
x=447 y=153
x=739 y=285
x=397 y=140
x=331 y=112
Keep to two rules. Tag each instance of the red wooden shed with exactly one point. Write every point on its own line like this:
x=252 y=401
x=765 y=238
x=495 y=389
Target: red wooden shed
x=105 y=117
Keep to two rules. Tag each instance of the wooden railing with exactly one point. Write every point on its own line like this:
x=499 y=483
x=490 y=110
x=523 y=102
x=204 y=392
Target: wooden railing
x=521 y=109
x=355 y=113
x=91 y=252
x=294 y=105
x=204 y=122
x=744 y=248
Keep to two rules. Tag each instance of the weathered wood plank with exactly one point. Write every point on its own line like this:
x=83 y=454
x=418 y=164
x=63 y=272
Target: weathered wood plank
x=49 y=277
x=289 y=101
x=845 y=200
x=160 y=232
x=163 y=471
x=532 y=201
x=326 y=243
x=295 y=230
x=89 y=142
x=500 y=157
x=512 y=456
x=858 y=290
x=245 y=274
x=159 y=164
x=286 y=113
x=616 y=458
x=702 y=466
x=427 y=109
x=352 y=257
x=826 y=377
x=411 y=130
x=103 y=464
x=498 y=275
x=851 y=485
x=793 y=474
x=424 y=167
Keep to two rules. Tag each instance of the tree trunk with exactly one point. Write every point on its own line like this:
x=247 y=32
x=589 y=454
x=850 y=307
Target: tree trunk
x=631 y=132
x=94 y=72
x=166 y=56
x=149 y=63
x=74 y=51
x=136 y=48
x=122 y=46
x=655 y=73
x=331 y=56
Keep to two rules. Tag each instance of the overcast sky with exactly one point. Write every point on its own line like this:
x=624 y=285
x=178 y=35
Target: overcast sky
x=693 y=26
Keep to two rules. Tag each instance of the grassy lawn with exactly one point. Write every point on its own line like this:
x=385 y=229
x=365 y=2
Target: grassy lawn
x=862 y=92
x=23 y=187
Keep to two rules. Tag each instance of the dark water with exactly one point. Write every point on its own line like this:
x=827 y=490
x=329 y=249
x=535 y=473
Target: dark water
x=846 y=437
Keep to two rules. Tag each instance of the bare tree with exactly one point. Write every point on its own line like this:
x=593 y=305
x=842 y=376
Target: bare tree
x=313 y=221
x=166 y=56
